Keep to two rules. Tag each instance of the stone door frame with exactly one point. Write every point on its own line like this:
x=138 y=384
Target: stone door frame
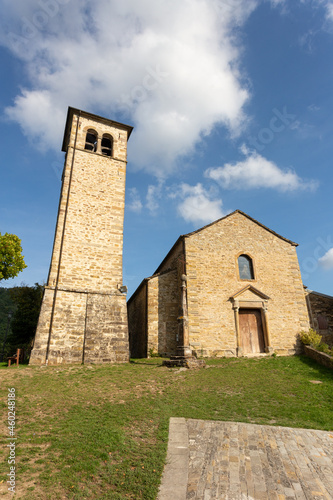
x=259 y=303
x=252 y=337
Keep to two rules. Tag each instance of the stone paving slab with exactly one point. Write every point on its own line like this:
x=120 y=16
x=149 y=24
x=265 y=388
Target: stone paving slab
x=174 y=482
x=237 y=461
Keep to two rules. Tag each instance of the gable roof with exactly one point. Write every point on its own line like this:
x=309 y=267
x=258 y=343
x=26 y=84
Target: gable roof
x=248 y=217
x=215 y=222
x=312 y=292
x=183 y=236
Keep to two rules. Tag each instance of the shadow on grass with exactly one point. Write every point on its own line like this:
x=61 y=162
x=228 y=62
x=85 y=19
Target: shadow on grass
x=4 y=364
x=154 y=362
x=320 y=369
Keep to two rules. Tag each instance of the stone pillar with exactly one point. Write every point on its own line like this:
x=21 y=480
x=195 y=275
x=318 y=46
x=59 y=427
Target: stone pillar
x=183 y=349
x=99 y=145
x=235 y=307
x=268 y=347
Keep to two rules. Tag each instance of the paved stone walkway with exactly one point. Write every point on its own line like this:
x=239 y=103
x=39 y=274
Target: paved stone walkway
x=234 y=461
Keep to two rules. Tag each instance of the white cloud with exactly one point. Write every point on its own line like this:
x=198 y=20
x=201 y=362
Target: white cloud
x=154 y=195
x=275 y=3
x=327 y=5
x=255 y=171
x=168 y=67
x=313 y=107
x=134 y=204
x=327 y=260
x=197 y=205
x=329 y=10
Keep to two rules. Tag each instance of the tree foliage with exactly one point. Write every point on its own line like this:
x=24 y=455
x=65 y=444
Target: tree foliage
x=6 y=306
x=28 y=300
x=11 y=258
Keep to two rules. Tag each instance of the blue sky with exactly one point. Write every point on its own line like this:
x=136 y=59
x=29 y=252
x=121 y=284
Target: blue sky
x=232 y=106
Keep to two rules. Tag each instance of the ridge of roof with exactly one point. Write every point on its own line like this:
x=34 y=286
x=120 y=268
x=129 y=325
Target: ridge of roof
x=183 y=236
x=318 y=293
x=250 y=218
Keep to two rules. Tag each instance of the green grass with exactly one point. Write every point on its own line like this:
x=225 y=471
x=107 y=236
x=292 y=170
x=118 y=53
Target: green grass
x=101 y=432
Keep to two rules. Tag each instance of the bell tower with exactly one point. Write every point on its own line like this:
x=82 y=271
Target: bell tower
x=83 y=318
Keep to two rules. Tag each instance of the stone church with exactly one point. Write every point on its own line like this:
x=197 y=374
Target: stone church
x=231 y=288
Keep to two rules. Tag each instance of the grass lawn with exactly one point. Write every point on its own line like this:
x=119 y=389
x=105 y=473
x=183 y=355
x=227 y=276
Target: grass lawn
x=100 y=432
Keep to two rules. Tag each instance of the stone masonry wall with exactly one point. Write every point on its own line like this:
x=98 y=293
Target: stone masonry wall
x=212 y=271
x=137 y=323
x=90 y=316
x=90 y=328
x=106 y=338
x=159 y=297
x=68 y=331
x=321 y=314
x=174 y=259
x=320 y=357
x=163 y=296
x=93 y=242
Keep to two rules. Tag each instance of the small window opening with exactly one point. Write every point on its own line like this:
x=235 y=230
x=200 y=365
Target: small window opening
x=245 y=267
x=107 y=145
x=91 y=141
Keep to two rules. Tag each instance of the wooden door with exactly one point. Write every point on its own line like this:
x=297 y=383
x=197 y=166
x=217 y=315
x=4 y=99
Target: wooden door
x=251 y=331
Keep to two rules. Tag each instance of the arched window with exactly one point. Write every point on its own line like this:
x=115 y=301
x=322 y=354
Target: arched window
x=245 y=267
x=107 y=143
x=91 y=140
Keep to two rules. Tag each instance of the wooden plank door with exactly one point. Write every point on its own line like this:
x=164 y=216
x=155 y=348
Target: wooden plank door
x=251 y=331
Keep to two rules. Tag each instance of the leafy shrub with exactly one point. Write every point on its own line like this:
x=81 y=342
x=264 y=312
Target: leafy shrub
x=324 y=348
x=313 y=339
x=153 y=353
x=310 y=338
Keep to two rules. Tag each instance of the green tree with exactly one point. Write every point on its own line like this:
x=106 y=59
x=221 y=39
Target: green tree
x=6 y=306
x=11 y=258
x=28 y=300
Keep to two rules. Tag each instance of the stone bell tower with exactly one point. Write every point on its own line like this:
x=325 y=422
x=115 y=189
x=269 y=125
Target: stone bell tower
x=83 y=318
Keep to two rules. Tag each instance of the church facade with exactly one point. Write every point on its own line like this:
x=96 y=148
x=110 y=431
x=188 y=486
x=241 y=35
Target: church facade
x=231 y=288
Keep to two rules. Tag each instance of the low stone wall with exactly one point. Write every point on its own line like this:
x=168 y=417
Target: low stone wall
x=320 y=309
x=320 y=357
